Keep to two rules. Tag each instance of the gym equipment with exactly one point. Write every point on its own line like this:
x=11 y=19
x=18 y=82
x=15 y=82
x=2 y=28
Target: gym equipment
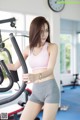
x=9 y=76
x=11 y=112
x=28 y=92
x=61 y=86
x=11 y=20
x=9 y=99
x=1 y=76
x=13 y=77
x=74 y=83
x=14 y=111
x=25 y=70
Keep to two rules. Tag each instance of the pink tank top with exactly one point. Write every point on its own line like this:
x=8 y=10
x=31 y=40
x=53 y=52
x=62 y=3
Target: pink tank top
x=40 y=60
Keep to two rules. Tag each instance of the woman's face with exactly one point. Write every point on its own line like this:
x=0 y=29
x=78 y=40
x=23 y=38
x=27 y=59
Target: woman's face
x=44 y=33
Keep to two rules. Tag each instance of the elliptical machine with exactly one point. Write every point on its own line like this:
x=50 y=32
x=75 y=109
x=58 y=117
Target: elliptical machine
x=11 y=75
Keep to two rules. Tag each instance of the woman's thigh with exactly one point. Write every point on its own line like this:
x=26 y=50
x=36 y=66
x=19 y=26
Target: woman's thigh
x=30 y=111
x=50 y=111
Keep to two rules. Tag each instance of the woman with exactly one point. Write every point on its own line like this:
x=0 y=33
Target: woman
x=41 y=55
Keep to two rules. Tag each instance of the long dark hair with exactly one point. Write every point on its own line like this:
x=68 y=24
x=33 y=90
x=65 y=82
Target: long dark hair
x=35 y=30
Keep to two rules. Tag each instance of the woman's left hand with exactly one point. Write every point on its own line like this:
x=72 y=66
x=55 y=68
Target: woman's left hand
x=28 y=78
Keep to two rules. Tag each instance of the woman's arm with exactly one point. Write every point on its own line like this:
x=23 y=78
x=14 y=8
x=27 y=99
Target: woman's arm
x=17 y=64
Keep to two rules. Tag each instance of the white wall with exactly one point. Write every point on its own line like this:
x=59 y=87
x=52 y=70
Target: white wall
x=40 y=7
x=25 y=6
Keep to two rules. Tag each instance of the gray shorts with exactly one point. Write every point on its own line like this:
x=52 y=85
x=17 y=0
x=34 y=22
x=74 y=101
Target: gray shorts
x=45 y=92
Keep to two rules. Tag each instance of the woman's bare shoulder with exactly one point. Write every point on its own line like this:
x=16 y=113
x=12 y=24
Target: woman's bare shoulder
x=52 y=46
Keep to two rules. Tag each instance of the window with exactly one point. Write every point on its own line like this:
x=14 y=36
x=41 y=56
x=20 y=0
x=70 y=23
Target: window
x=65 y=53
x=22 y=28
x=78 y=55
x=69 y=46
x=29 y=18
